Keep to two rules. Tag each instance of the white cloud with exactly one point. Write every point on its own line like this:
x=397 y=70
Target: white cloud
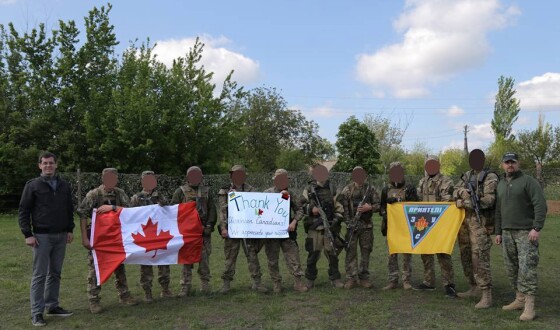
x=454 y=111
x=440 y=38
x=480 y=136
x=215 y=58
x=540 y=93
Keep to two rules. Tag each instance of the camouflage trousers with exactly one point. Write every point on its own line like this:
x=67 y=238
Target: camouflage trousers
x=393 y=266
x=521 y=258
x=147 y=276
x=480 y=243
x=93 y=289
x=203 y=266
x=231 y=250
x=465 y=251
x=316 y=242
x=445 y=264
x=364 y=238
x=291 y=254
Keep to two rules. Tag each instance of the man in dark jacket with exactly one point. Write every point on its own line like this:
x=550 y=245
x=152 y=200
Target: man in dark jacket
x=46 y=221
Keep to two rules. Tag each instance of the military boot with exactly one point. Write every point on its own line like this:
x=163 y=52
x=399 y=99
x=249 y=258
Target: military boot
x=226 y=287
x=517 y=304
x=350 y=284
x=365 y=283
x=128 y=300
x=95 y=307
x=390 y=286
x=474 y=291
x=276 y=287
x=310 y=284
x=185 y=290
x=205 y=287
x=406 y=285
x=148 y=296
x=486 y=300
x=166 y=293
x=258 y=286
x=529 y=310
x=299 y=286
x=337 y=283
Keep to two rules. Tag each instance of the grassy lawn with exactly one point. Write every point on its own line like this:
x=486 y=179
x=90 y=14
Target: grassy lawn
x=323 y=307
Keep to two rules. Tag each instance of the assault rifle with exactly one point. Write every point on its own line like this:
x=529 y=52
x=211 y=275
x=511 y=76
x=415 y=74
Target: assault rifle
x=475 y=200
x=324 y=218
x=354 y=224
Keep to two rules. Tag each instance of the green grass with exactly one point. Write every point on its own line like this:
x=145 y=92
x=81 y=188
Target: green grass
x=323 y=307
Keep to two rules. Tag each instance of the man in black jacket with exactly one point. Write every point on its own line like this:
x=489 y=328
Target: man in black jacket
x=46 y=221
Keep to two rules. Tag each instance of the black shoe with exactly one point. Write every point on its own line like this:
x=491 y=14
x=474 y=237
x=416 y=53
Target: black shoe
x=423 y=287
x=450 y=291
x=38 y=321
x=59 y=311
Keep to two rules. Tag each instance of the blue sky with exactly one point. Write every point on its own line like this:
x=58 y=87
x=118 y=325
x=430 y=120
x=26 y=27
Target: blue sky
x=433 y=64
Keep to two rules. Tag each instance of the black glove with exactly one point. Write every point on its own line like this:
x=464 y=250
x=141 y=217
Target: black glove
x=207 y=232
x=391 y=200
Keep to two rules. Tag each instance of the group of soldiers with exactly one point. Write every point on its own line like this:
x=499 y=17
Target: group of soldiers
x=322 y=209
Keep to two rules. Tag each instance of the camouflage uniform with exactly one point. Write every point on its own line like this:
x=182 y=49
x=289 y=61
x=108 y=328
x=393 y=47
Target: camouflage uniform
x=288 y=246
x=402 y=192
x=146 y=271
x=437 y=188
x=207 y=211
x=94 y=199
x=316 y=240
x=232 y=245
x=351 y=197
x=479 y=241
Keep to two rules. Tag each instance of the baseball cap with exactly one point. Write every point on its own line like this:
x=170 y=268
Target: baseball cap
x=278 y=172
x=509 y=156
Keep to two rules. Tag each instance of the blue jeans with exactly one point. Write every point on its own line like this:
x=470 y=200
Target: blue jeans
x=48 y=257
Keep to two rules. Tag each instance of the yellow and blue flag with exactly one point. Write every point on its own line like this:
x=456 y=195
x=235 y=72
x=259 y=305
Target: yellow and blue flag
x=423 y=228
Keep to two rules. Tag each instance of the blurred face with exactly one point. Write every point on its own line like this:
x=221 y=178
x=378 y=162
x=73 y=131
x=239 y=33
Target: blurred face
x=110 y=180
x=47 y=166
x=510 y=166
x=238 y=177
x=149 y=182
x=359 y=176
x=194 y=177
x=432 y=167
x=476 y=159
x=281 y=181
x=396 y=174
x=320 y=173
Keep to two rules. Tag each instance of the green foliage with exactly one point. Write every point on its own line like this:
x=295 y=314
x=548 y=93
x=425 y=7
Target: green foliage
x=357 y=146
x=506 y=109
x=453 y=162
x=415 y=158
x=497 y=149
x=389 y=135
x=542 y=145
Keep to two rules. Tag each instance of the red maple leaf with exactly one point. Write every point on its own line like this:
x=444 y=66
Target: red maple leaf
x=260 y=212
x=421 y=224
x=152 y=241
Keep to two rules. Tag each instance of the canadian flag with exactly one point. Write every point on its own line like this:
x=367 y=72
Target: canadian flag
x=146 y=235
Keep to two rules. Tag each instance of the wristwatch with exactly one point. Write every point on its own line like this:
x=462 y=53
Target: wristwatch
x=537 y=229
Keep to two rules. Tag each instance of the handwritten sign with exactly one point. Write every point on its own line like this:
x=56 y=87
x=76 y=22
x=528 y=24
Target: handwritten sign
x=258 y=215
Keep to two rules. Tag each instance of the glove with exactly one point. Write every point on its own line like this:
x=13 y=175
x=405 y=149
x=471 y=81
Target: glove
x=207 y=232
x=468 y=204
x=391 y=200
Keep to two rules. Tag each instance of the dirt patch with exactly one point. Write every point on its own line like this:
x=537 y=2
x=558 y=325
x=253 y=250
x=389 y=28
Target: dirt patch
x=553 y=207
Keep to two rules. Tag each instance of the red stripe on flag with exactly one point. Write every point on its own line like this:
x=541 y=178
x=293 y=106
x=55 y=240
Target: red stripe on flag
x=190 y=227
x=108 y=244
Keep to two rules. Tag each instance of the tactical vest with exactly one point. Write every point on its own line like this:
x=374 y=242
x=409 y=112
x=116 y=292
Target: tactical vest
x=200 y=196
x=147 y=199
x=430 y=190
x=478 y=182
x=398 y=193
x=108 y=197
x=356 y=196
x=326 y=198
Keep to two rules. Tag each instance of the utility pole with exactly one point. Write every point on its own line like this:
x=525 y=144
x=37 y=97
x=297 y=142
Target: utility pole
x=466 y=144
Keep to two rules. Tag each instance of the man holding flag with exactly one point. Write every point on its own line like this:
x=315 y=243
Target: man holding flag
x=105 y=198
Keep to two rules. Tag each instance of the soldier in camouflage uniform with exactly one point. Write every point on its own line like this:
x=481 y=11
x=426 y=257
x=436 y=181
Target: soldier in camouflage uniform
x=195 y=191
x=483 y=183
x=435 y=187
x=520 y=215
x=105 y=198
x=289 y=245
x=251 y=247
x=316 y=240
x=359 y=200
x=397 y=191
x=149 y=196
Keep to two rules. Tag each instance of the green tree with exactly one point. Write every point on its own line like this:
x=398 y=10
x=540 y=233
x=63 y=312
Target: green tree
x=453 y=162
x=506 y=109
x=540 y=146
x=389 y=135
x=415 y=158
x=357 y=146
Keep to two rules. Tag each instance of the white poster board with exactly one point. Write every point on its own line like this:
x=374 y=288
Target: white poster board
x=258 y=215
